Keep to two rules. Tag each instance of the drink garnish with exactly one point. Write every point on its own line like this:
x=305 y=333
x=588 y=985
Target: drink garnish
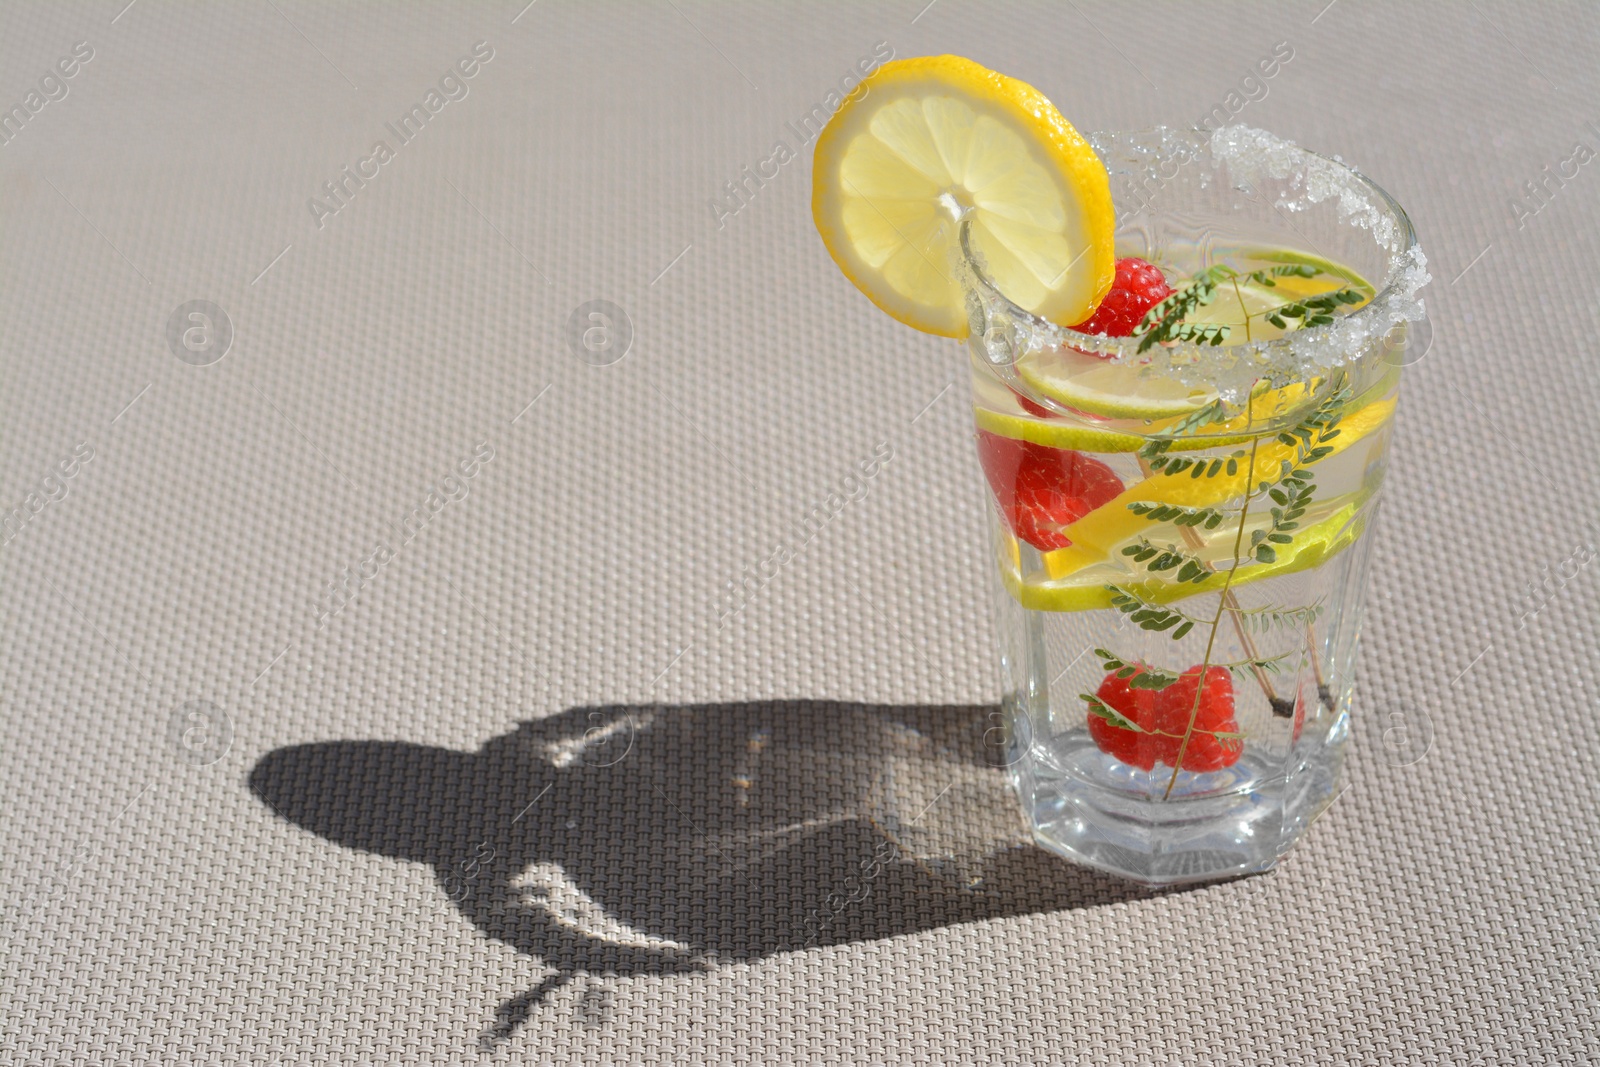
x=1041 y=490
x=1139 y=286
x=925 y=143
x=1142 y=717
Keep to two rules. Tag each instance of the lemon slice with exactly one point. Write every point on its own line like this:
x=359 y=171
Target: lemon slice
x=1096 y=534
x=932 y=140
x=1312 y=547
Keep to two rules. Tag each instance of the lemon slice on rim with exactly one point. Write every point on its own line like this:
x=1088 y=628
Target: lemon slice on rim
x=928 y=141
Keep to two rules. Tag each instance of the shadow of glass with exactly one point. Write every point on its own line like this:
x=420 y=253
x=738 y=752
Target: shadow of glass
x=671 y=838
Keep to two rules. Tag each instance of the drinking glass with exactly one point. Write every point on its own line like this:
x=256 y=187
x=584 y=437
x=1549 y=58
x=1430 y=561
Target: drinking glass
x=1178 y=661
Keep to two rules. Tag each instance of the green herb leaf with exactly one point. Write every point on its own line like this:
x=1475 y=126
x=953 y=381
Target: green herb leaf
x=1101 y=710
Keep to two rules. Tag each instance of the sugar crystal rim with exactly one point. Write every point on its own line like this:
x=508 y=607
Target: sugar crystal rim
x=1251 y=156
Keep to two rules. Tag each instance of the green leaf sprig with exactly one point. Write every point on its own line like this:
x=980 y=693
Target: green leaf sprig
x=1264 y=619
x=1160 y=558
x=1166 y=463
x=1161 y=322
x=1101 y=710
x=1313 y=310
x=1291 y=494
x=1296 y=485
x=1148 y=616
x=1137 y=675
x=1210 y=518
x=1166 y=321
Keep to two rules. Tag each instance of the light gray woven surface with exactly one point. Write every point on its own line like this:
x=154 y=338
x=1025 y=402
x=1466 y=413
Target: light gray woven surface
x=159 y=910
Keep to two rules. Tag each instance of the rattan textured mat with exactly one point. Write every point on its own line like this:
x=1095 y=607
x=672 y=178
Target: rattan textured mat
x=386 y=678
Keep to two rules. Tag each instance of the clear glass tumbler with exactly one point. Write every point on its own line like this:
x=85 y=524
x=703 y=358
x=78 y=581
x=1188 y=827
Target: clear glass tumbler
x=1181 y=565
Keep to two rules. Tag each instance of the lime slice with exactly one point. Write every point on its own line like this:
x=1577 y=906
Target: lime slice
x=1242 y=305
x=1056 y=434
x=997 y=409
x=929 y=141
x=1118 y=390
x=1122 y=390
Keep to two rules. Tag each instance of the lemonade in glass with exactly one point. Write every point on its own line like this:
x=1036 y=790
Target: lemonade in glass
x=1183 y=482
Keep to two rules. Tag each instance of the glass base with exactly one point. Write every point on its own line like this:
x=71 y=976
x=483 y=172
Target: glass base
x=1214 y=826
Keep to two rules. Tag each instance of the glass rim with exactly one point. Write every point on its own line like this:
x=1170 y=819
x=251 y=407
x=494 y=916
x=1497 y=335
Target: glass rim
x=1386 y=294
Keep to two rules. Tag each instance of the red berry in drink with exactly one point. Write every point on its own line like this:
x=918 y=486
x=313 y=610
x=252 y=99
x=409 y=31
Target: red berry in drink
x=1213 y=743
x=1042 y=490
x=1139 y=286
x=1161 y=718
x=1137 y=748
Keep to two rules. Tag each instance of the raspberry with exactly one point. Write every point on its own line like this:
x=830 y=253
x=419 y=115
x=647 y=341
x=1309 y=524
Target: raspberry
x=1136 y=748
x=1162 y=718
x=1139 y=286
x=1041 y=490
x=1206 y=751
